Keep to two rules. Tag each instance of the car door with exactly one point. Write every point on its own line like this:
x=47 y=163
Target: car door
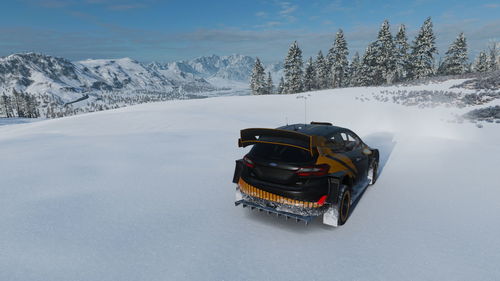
x=354 y=150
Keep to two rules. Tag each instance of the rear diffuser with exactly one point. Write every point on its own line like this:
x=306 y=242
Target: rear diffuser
x=270 y=210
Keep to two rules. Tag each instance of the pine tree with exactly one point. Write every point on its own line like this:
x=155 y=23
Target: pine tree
x=281 y=86
x=423 y=51
x=455 y=61
x=337 y=60
x=257 y=80
x=321 y=67
x=19 y=103
x=493 y=58
x=402 y=55
x=354 y=71
x=31 y=106
x=385 y=59
x=309 y=77
x=9 y=109
x=2 y=108
x=293 y=70
x=269 y=84
x=482 y=64
x=367 y=73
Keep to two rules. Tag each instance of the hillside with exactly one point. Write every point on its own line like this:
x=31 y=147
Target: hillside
x=54 y=82
x=145 y=193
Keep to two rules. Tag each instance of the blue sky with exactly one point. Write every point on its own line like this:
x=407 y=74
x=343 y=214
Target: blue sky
x=171 y=30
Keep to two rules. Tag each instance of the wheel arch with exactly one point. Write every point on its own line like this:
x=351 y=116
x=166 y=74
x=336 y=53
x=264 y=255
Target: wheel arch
x=376 y=155
x=336 y=182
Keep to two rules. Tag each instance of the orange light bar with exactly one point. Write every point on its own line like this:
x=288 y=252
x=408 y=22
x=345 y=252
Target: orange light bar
x=259 y=193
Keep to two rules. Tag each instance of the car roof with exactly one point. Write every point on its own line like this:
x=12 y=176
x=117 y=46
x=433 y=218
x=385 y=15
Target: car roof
x=324 y=130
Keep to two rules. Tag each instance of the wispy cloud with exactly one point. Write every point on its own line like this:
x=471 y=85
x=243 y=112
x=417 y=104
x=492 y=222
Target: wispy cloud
x=286 y=10
x=124 y=7
x=269 y=24
x=51 y=3
x=335 y=6
x=284 y=15
x=261 y=14
x=492 y=5
x=114 y=5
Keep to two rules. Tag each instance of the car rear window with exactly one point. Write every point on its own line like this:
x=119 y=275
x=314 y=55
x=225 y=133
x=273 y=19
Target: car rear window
x=282 y=153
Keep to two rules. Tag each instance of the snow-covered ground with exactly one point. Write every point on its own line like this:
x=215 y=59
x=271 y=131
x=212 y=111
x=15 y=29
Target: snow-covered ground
x=145 y=193
x=14 y=121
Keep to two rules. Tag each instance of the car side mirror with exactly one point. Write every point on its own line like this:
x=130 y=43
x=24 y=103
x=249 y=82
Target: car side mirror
x=367 y=152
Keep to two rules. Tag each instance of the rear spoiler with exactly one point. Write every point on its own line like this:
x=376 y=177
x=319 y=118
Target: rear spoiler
x=276 y=136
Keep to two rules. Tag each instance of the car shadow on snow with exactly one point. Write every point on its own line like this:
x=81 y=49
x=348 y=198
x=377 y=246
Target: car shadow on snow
x=383 y=141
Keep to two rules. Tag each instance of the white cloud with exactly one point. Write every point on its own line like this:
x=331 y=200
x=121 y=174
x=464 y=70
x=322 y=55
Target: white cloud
x=261 y=14
x=492 y=5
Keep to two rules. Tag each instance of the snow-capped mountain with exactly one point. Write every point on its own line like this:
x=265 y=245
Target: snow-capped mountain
x=98 y=84
x=127 y=74
x=35 y=73
x=182 y=78
x=41 y=74
x=232 y=68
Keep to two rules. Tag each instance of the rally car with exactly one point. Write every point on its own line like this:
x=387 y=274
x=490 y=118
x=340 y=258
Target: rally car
x=303 y=171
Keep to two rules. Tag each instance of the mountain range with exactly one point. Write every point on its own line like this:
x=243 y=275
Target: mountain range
x=65 y=80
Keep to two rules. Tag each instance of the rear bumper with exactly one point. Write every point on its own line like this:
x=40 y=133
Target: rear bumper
x=267 y=200
x=306 y=215
x=273 y=199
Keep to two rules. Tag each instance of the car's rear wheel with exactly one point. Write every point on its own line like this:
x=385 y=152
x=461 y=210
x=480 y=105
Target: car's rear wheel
x=373 y=172
x=344 y=206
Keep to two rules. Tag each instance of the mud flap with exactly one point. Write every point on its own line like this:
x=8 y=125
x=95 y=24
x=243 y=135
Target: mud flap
x=238 y=195
x=331 y=217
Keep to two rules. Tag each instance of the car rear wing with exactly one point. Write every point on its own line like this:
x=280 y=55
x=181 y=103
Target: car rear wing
x=276 y=136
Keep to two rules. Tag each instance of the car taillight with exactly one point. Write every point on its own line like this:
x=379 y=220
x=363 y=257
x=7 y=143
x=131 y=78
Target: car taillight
x=311 y=171
x=322 y=200
x=248 y=162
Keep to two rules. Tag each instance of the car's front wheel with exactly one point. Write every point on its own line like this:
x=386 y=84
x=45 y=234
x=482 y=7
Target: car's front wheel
x=373 y=172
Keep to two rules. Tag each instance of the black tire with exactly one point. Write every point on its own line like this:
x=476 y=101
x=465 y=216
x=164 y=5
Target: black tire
x=374 y=170
x=344 y=206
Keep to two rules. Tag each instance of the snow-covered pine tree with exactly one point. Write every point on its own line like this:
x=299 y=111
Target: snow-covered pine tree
x=354 y=71
x=309 y=76
x=402 y=53
x=493 y=58
x=385 y=57
x=19 y=103
x=269 y=84
x=482 y=64
x=257 y=79
x=337 y=60
x=281 y=87
x=368 y=67
x=293 y=70
x=9 y=108
x=455 y=61
x=321 y=67
x=3 y=112
x=423 y=51
x=31 y=106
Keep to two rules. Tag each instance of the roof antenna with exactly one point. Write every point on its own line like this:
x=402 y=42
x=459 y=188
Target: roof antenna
x=305 y=106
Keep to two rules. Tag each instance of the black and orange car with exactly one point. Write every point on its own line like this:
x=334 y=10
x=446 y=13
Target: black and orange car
x=302 y=171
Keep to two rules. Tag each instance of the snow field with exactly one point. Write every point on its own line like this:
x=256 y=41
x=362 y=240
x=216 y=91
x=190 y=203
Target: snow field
x=145 y=193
